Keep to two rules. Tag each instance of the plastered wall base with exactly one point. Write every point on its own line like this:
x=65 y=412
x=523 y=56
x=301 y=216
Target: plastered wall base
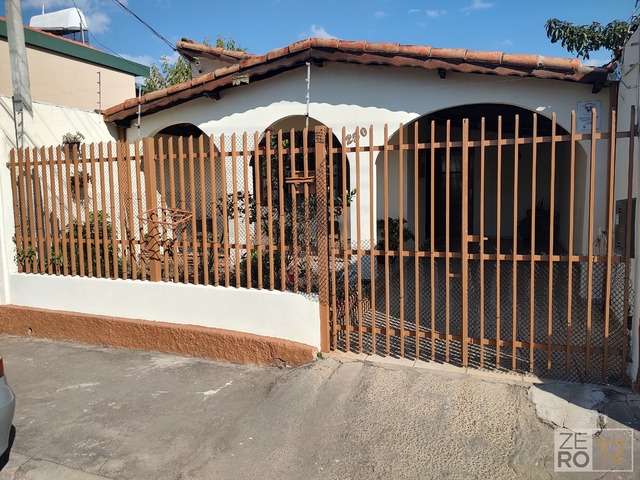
x=205 y=342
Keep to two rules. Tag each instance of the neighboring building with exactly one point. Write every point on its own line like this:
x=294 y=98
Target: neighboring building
x=71 y=74
x=71 y=83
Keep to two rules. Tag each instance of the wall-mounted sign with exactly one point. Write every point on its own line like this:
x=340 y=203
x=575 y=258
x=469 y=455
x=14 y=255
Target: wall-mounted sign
x=584 y=115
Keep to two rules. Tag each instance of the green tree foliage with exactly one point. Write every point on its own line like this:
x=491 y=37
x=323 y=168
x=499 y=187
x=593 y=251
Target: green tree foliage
x=171 y=73
x=584 y=39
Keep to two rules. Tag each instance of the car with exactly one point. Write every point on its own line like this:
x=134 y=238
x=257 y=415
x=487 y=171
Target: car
x=7 y=409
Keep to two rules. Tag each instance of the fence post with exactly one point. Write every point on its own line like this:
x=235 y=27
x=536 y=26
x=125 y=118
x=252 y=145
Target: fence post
x=323 y=238
x=153 y=234
x=465 y=243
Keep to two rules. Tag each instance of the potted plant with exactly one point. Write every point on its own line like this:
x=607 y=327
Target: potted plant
x=393 y=235
x=72 y=140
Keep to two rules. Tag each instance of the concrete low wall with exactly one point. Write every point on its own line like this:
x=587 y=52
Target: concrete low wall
x=279 y=315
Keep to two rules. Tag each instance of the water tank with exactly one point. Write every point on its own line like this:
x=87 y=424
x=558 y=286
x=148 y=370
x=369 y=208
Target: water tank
x=62 y=22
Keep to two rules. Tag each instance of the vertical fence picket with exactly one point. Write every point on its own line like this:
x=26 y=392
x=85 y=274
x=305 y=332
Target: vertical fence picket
x=498 y=239
x=345 y=245
x=46 y=215
x=55 y=231
x=372 y=243
x=258 y=183
x=447 y=242
x=111 y=161
x=552 y=209
x=159 y=147
x=270 y=210
x=225 y=213
x=214 y=207
x=611 y=170
x=482 y=239
x=86 y=224
x=294 y=207
x=514 y=293
x=416 y=243
x=532 y=252
x=592 y=197
x=97 y=243
x=358 y=240
x=236 y=215
x=385 y=182
x=69 y=206
x=332 y=245
x=104 y=217
x=38 y=211
x=627 y=248
x=247 y=209
x=307 y=209
x=191 y=163
x=432 y=235
x=204 y=243
x=400 y=258
x=570 y=243
x=282 y=213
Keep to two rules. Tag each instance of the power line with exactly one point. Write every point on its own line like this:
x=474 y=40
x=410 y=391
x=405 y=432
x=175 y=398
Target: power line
x=98 y=41
x=153 y=30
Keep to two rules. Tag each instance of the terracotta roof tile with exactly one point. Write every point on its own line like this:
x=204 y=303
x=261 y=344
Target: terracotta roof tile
x=415 y=51
x=325 y=42
x=301 y=45
x=279 y=52
x=484 y=57
x=449 y=53
x=519 y=60
x=392 y=54
x=350 y=45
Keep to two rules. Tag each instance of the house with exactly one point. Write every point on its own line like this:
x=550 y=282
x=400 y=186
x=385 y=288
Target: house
x=71 y=82
x=355 y=85
x=501 y=165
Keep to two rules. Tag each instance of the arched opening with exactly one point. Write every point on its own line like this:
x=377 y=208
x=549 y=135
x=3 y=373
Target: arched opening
x=300 y=166
x=184 y=178
x=487 y=181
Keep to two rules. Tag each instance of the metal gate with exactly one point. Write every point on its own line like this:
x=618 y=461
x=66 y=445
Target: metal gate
x=486 y=256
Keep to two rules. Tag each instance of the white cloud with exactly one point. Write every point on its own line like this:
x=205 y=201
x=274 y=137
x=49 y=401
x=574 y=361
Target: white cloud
x=98 y=22
x=477 y=5
x=143 y=59
x=379 y=14
x=507 y=43
x=414 y=10
x=316 y=31
x=436 y=13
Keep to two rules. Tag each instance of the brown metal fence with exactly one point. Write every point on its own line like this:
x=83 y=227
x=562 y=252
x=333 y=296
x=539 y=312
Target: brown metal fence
x=484 y=274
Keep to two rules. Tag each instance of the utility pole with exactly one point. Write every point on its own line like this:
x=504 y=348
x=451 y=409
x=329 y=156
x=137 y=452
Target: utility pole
x=22 y=106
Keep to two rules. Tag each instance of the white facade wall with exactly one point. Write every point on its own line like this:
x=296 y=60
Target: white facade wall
x=628 y=96
x=353 y=96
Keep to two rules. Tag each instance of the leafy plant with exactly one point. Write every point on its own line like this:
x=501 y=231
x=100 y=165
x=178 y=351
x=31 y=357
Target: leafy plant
x=584 y=39
x=72 y=138
x=394 y=233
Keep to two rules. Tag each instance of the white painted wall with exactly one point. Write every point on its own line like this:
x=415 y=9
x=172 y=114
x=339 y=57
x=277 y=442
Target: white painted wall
x=273 y=314
x=628 y=96
x=51 y=122
x=352 y=96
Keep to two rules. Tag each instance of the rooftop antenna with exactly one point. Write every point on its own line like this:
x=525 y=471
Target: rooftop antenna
x=42 y=7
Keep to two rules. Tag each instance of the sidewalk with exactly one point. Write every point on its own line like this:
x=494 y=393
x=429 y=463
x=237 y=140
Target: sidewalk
x=86 y=412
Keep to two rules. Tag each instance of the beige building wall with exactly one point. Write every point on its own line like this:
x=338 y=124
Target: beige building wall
x=66 y=81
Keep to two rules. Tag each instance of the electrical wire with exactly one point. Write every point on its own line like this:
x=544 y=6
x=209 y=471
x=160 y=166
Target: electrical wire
x=99 y=42
x=153 y=30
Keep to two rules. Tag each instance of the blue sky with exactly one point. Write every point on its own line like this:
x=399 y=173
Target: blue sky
x=514 y=26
